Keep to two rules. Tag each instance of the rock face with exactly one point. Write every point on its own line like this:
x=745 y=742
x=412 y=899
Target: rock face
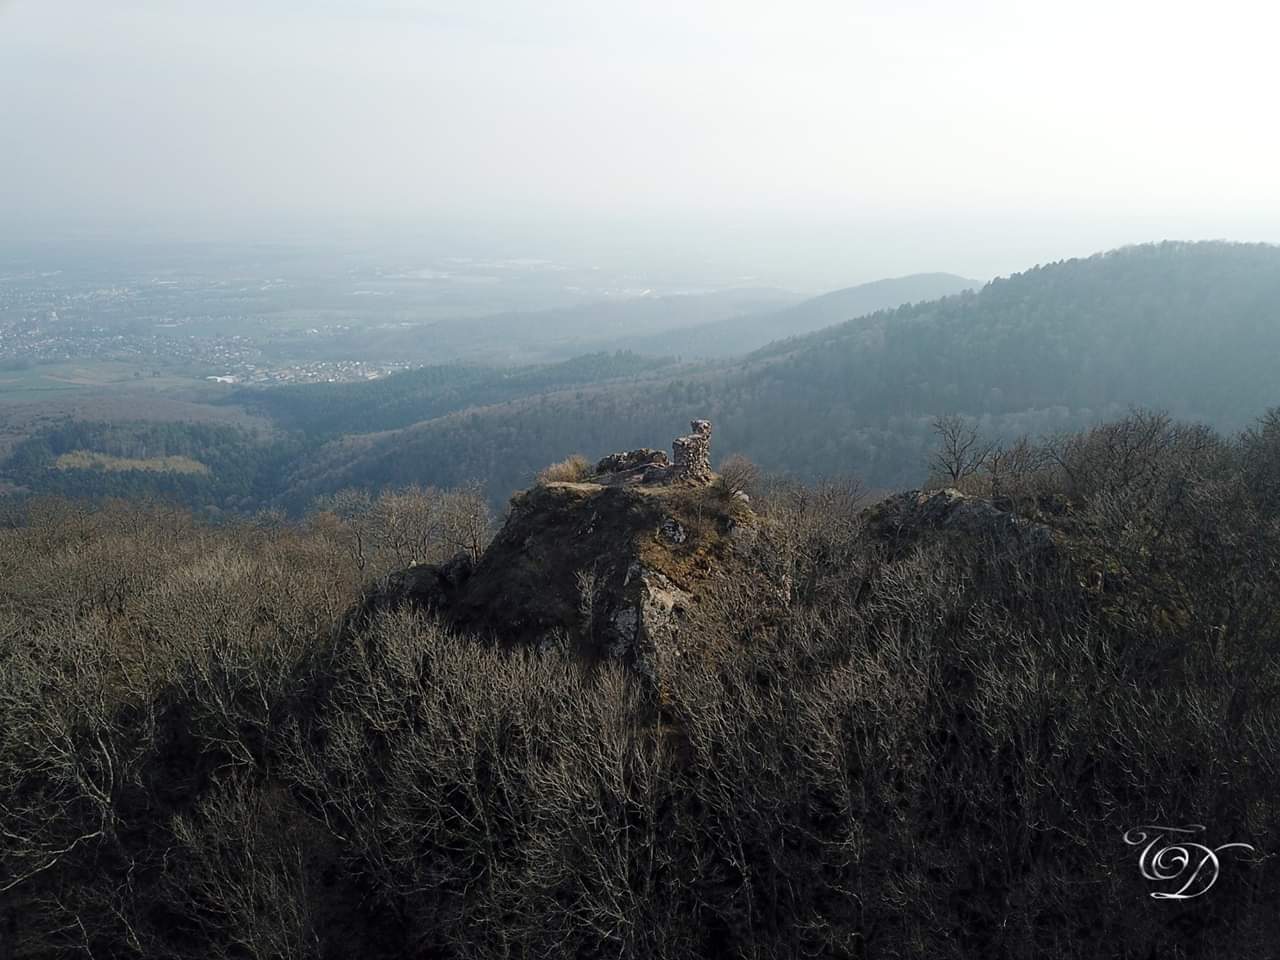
x=643 y=630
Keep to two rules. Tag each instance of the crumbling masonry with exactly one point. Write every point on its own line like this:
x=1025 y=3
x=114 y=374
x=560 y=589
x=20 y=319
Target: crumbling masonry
x=691 y=466
x=693 y=455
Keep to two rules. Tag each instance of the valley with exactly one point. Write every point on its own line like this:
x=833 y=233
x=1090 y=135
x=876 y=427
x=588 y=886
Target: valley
x=1053 y=348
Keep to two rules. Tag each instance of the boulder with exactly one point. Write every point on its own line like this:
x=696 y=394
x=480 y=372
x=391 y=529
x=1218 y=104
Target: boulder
x=632 y=466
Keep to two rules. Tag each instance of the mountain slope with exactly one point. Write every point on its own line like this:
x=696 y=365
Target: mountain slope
x=1193 y=328
x=323 y=410
x=735 y=336
x=546 y=335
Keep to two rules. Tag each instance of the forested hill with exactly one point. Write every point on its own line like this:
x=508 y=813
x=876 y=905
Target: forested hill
x=322 y=410
x=735 y=336
x=1192 y=328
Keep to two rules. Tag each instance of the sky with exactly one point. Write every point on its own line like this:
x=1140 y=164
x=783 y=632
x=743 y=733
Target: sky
x=808 y=143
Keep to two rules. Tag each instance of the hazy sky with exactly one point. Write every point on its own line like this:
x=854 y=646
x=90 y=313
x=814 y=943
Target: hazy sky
x=847 y=139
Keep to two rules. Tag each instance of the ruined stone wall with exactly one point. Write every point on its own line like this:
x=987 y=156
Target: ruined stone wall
x=692 y=466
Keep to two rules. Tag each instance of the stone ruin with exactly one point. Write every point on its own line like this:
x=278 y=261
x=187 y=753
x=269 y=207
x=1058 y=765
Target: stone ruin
x=690 y=464
x=693 y=455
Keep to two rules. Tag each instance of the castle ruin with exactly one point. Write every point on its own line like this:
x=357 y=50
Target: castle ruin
x=690 y=464
x=693 y=455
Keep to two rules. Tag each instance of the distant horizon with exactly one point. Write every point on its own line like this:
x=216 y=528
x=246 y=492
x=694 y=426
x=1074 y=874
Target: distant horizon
x=813 y=147
x=715 y=254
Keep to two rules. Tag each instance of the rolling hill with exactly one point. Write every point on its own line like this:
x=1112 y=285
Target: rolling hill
x=1191 y=328
x=735 y=336
x=533 y=336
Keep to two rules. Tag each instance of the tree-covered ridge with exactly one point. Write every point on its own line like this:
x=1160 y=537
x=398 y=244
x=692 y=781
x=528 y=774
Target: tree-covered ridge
x=239 y=469
x=323 y=410
x=1118 y=328
x=1191 y=328
x=736 y=336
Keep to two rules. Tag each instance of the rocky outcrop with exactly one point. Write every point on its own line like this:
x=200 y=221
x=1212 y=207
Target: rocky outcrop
x=903 y=519
x=428 y=586
x=644 y=629
x=634 y=466
x=614 y=568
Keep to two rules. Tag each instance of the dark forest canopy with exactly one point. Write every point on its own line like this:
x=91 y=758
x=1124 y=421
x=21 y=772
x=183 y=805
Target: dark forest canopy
x=920 y=739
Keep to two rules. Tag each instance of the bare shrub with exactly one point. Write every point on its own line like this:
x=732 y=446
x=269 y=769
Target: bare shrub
x=572 y=469
x=404 y=526
x=1016 y=469
x=407 y=525
x=737 y=475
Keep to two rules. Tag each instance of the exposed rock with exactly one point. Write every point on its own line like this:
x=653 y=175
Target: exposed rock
x=616 y=563
x=672 y=531
x=429 y=586
x=631 y=466
x=644 y=629
x=901 y=519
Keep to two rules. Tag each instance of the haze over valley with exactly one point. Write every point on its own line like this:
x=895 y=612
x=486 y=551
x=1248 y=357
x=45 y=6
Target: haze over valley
x=378 y=397
x=703 y=481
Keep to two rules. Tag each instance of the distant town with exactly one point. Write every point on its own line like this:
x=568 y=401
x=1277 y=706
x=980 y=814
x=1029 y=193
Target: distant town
x=29 y=341
x=262 y=317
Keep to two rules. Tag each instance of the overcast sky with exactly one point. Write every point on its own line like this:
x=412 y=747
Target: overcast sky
x=871 y=138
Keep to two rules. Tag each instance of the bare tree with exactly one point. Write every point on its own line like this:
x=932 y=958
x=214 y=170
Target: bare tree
x=466 y=523
x=408 y=525
x=353 y=507
x=960 y=452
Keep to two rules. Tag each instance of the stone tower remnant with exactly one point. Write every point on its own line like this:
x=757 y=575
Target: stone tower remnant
x=692 y=455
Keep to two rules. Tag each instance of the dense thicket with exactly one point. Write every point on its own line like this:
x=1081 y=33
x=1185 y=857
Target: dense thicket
x=932 y=745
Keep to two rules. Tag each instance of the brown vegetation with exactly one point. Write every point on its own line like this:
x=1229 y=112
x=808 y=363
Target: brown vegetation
x=572 y=469
x=88 y=460
x=931 y=750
